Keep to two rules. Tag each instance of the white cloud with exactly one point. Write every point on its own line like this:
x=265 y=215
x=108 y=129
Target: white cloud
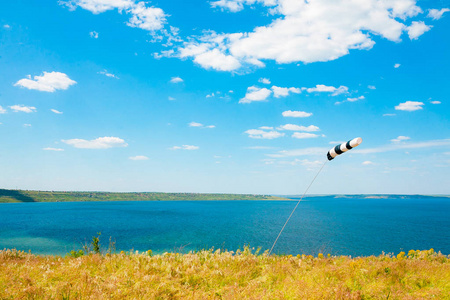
x=367 y=163
x=436 y=14
x=104 y=72
x=2 y=110
x=255 y=94
x=48 y=82
x=397 y=66
x=321 y=88
x=138 y=157
x=356 y=99
x=141 y=16
x=284 y=91
x=264 y=80
x=26 y=125
x=266 y=127
x=52 y=149
x=99 y=143
x=200 y=125
x=417 y=29
x=56 y=111
x=400 y=139
x=214 y=59
x=185 y=147
x=306 y=31
x=296 y=114
x=304 y=135
x=261 y=134
x=372 y=87
x=93 y=34
x=6 y=26
x=238 y=5
x=98 y=6
x=176 y=80
x=171 y=98
x=23 y=108
x=435 y=102
x=294 y=127
x=147 y=18
x=410 y=106
x=389 y=115
x=195 y=124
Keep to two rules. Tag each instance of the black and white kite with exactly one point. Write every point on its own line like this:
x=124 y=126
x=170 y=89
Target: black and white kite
x=344 y=147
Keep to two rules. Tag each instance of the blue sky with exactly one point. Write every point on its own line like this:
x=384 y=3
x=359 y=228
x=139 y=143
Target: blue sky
x=229 y=96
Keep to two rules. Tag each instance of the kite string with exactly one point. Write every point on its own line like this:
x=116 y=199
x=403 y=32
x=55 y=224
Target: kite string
x=274 y=243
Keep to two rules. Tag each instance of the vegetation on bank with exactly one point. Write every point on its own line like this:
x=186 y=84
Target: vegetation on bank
x=220 y=274
x=8 y=196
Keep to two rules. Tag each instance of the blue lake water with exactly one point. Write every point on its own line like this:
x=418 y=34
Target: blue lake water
x=320 y=224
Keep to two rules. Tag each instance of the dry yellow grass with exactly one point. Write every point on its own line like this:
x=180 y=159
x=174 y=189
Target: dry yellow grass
x=224 y=275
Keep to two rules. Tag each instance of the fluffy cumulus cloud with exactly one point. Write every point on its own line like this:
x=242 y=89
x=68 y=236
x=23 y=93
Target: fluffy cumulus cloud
x=303 y=31
x=185 y=147
x=138 y=157
x=296 y=114
x=23 y=108
x=141 y=16
x=410 y=106
x=238 y=5
x=284 y=91
x=436 y=14
x=147 y=18
x=400 y=138
x=304 y=135
x=264 y=80
x=294 y=127
x=397 y=66
x=263 y=134
x=2 y=110
x=417 y=29
x=98 y=143
x=48 y=82
x=93 y=34
x=255 y=94
x=435 y=102
x=321 y=88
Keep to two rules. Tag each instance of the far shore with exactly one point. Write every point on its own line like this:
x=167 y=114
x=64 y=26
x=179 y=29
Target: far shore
x=22 y=196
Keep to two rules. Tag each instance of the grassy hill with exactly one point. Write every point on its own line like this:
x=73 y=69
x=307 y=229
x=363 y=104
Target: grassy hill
x=8 y=196
x=224 y=275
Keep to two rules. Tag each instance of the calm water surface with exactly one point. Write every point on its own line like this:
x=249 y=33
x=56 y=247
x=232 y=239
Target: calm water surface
x=324 y=224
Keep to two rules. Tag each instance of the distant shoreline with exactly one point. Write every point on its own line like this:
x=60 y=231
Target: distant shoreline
x=22 y=196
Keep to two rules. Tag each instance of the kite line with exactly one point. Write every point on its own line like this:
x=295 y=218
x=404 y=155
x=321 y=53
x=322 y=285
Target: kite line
x=274 y=243
x=335 y=151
